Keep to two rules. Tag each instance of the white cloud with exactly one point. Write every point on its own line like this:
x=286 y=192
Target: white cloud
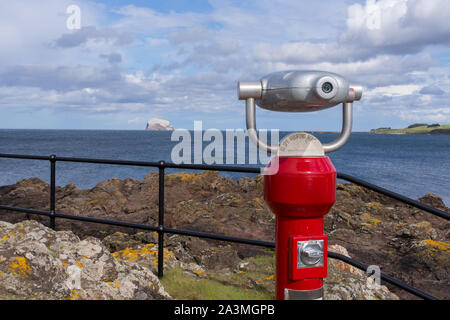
x=28 y=27
x=398 y=26
x=137 y=120
x=394 y=90
x=441 y=115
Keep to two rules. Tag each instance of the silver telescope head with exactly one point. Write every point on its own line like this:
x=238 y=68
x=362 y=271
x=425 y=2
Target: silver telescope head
x=300 y=91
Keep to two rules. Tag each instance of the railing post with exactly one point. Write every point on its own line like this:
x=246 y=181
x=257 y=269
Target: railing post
x=161 y=220
x=52 y=190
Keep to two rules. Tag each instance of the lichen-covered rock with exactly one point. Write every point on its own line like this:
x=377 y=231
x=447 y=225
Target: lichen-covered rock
x=146 y=255
x=39 y=263
x=421 y=230
x=142 y=248
x=428 y=253
x=345 y=282
x=119 y=240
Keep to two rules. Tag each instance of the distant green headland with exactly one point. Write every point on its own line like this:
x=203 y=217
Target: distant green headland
x=420 y=128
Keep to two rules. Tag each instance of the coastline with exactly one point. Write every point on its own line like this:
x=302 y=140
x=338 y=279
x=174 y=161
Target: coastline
x=416 y=129
x=447 y=132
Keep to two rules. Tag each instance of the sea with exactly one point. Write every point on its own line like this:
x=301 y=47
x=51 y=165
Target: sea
x=409 y=164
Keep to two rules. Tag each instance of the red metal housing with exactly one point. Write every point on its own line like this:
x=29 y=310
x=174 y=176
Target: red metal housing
x=299 y=194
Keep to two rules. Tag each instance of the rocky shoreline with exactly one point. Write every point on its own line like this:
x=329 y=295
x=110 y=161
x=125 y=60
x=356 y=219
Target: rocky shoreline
x=405 y=242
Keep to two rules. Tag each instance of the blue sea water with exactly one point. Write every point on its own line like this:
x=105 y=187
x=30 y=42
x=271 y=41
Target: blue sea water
x=412 y=165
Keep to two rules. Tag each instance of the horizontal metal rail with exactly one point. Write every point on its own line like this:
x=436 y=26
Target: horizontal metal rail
x=162 y=229
x=343 y=176
x=394 y=195
x=136 y=163
x=140 y=226
x=383 y=276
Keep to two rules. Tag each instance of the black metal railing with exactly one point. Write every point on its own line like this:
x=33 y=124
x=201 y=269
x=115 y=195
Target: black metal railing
x=161 y=229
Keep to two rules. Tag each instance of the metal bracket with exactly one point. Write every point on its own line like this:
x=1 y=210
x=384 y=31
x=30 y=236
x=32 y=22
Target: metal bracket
x=347 y=118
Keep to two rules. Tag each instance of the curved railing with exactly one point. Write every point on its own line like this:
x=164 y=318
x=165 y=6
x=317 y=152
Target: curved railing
x=161 y=229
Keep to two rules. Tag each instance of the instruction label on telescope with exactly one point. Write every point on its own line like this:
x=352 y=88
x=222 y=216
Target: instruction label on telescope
x=300 y=144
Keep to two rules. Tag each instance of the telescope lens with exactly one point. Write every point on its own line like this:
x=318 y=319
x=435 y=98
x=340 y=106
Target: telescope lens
x=327 y=87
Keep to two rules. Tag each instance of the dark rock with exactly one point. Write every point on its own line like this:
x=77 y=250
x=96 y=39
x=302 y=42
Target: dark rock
x=440 y=131
x=434 y=201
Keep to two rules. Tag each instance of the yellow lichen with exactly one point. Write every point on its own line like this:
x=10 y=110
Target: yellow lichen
x=437 y=245
x=115 y=284
x=183 y=177
x=198 y=271
x=270 y=277
x=9 y=235
x=132 y=255
x=374 y=205
x=424 y=225
x=369 y=220
x=259 y=203
x=74 y=294
x=20 y=266
x=79 y=264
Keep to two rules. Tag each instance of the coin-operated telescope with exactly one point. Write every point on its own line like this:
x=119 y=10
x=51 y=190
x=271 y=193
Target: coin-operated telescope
x=303 y=188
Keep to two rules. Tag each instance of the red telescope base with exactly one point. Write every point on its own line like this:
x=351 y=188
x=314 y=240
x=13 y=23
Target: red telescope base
x=301 y=192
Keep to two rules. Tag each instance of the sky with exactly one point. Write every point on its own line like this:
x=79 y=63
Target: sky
x=116 y=64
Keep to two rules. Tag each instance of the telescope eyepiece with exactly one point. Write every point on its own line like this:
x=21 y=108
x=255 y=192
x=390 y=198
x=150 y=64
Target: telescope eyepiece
x=327 y=87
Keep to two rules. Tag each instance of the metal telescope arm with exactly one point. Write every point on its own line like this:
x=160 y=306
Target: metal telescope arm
x=250 y=112
x=347 y=119
x=347 y=116
x=249 y=91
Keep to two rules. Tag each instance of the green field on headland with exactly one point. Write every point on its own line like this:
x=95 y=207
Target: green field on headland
x=416 y=128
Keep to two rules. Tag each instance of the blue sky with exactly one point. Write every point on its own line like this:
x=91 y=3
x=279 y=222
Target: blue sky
x=130 y=61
